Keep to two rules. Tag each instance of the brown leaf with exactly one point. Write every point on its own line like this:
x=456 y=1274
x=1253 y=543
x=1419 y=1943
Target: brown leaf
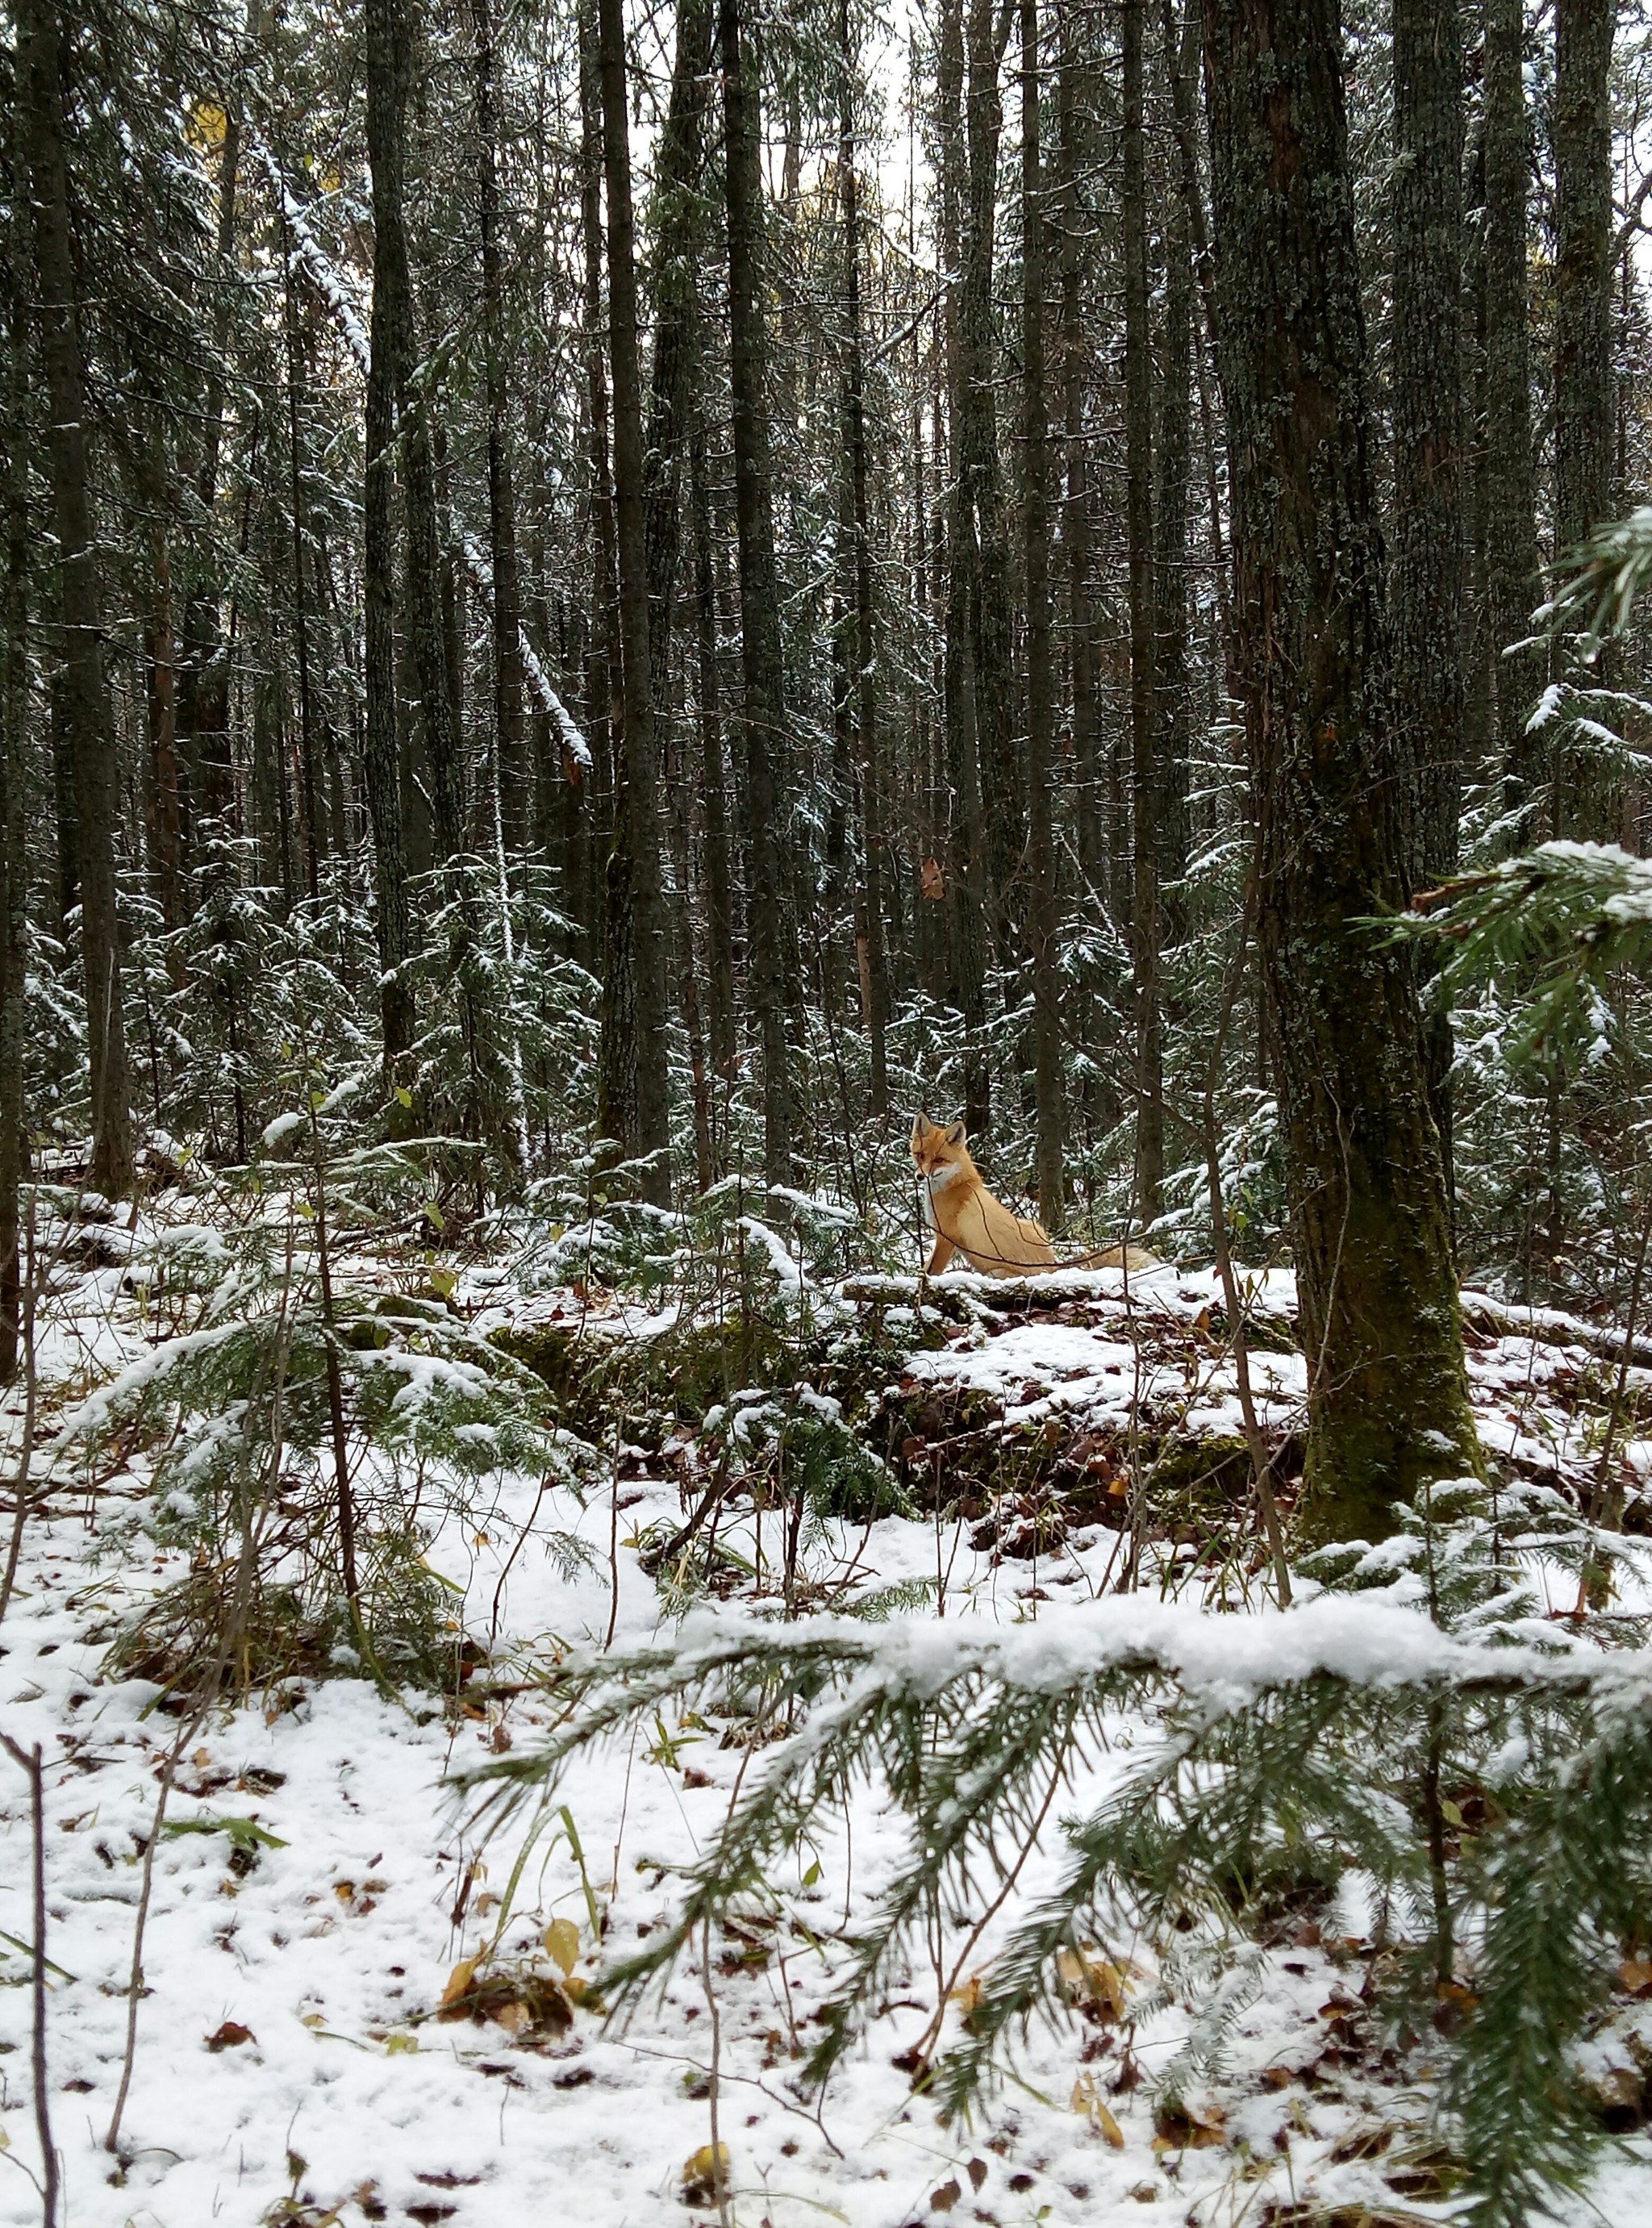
x=944 y=2198
x=230 y=2036
x=977 y=2170
x=459 y=1986
x=931 y=880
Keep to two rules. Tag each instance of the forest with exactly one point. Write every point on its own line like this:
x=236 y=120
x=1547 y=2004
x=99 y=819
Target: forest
x=825 y=1112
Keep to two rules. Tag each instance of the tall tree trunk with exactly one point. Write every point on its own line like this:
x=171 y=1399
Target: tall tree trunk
x=760 y=652
x=1512 y=578
x=1002 y=774
x=1171 y=708
x=680 y=212
x=1426 y=586
x=966 y=909
x=1075 y=509
x=1138 y=529
x=88 y=717
x=1586 y=804
x=616 y=1119
x=1388 y=1401
x=17 y=277
x=865 y=691
x=381 y=752
x=1041 y=707
x=203 y=691
x=508 y=725
x=720 y=908
x=297 y=509
x=1582 y=226
x=642 y=770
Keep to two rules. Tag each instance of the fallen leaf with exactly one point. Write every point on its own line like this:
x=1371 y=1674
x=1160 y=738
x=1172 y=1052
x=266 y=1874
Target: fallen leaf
x=977 y=2170
x=399 y=2046
x=514 y=2018
x=705 y=2175
x=944 y=2198
x=969 y=1996
x=1088 y=2102
x=1635 y=1973
x=458 y=1984
x=562 y=1943
x=230 y=2036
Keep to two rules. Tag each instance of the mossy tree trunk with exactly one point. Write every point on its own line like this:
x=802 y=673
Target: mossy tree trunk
x=1387 y=1396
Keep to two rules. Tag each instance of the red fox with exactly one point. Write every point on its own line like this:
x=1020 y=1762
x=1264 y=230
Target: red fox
x=966 y=1218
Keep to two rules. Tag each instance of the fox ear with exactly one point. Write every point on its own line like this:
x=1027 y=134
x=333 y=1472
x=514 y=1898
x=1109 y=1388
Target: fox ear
x=920 y=1128
x=956 y=1133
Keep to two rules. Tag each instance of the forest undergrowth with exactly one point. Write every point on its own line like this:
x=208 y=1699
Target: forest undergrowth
x=668 y=1702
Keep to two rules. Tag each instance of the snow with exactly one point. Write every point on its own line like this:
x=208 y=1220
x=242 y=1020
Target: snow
x=333 y=1950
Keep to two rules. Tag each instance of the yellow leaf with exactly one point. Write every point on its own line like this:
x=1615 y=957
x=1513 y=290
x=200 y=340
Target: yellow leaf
x=312 y=2018
x=708 y=2169
x=1088 y=2103
x=404 y=1097
x=514 y=2018
x=969 y=1996
x=562 y=1941
x=459 y=1979
x=574 y=1988
x=400 y=2045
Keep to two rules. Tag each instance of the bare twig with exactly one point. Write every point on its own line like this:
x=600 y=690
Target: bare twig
x=28 y=1761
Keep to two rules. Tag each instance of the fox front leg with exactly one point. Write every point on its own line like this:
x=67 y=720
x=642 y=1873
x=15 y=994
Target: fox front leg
x=940 y=1256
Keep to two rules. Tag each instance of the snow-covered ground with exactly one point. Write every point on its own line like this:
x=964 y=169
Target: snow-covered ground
x=290 y=2063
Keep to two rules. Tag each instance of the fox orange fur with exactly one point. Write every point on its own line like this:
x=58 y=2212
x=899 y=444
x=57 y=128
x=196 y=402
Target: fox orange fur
x=968 y=1220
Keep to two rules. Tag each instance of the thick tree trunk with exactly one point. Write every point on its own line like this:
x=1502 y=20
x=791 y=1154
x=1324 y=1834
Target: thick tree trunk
x=1388 y=1401
x=1426 y=588
x=1512 y=588
x=760 y=652
x=1138 y=529
x=642 y=769
x=382 y=754
x=508 y=725
x=88 y=722
x=862 y=645
x=1583 y=387
x=1040 y=706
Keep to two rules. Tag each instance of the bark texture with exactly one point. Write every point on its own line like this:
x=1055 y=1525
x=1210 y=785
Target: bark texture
x=1388 y=1401
x=761 y=667
x=89 y=723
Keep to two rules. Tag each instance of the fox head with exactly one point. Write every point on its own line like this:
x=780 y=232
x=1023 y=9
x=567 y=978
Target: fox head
x=939 y=1149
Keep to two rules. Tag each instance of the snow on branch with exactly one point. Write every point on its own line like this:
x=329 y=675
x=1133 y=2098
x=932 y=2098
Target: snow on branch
x=340 y=300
